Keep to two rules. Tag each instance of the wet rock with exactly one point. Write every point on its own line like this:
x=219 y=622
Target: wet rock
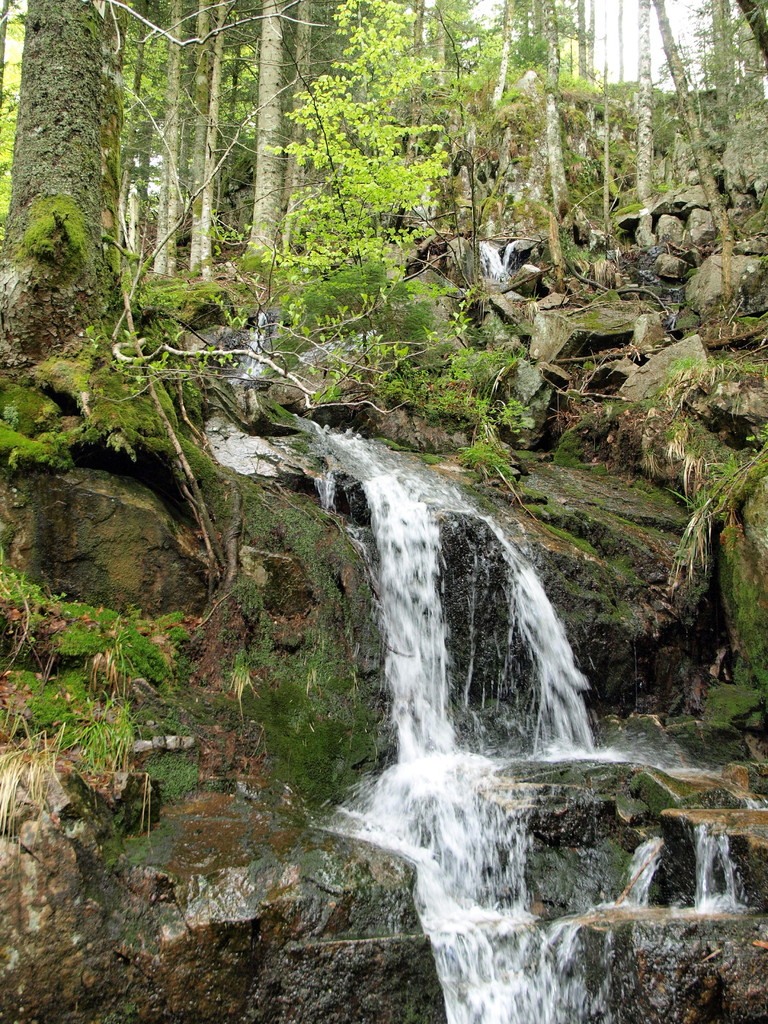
x=648 y=378
x=755 y=246
x=508 y=307
x=743 y=569
x=108 y=539
x=408 y=429
x=747 y=833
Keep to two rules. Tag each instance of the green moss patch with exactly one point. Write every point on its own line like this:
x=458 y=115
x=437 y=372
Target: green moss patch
x=56 y=235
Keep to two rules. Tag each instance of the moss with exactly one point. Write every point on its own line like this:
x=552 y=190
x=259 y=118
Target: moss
x=49 y=451
x=59 y=705
x=734 y=706
x=176 y=773
x=56 y=235
x=570 y=538
x=744 y=597
x=569 y=451
x=199 y=304
x=26 y=409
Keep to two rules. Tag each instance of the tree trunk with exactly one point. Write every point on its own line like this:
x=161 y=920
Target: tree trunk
x=168 y=206
x=724 y=67
x=698 y=144
x=591 y=41
x=581 y=30
x=554 y=137
x=3 y=30
x=58 y=275
x=606 y=145
x=621 y=40
x=211 y=148
x=757 y=21
x=267 y=199
x=644 y=106
x=498 y=92
x=202 y=98
x=301 y=61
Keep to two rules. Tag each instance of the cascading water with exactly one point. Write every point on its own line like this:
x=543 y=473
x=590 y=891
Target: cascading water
x=439 y=806
x=717 y=884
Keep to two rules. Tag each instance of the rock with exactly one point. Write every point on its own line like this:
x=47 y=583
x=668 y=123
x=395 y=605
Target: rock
x=559 y=335
x=648 y=333
x=552 y=301
x=253 y=456
x=648 y=378
x=745 y=159
x=755 y=246
x=734 y=410
x=528 y=280
x=611 y=375
x=410 y=430
x=679 y=201
x=743 y=571
x=108 y=539
x=669 y=229
x=554 y=375
x=526 y=384
x=671 y=267
x=281 y=580
x=744 y=207
x=645 y=235
x=508 y=307
x=750 y=281
x=628 y=220
x=747 y=832
x=700 y=228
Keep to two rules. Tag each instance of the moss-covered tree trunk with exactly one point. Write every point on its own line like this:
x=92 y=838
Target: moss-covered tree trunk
x=59 y=273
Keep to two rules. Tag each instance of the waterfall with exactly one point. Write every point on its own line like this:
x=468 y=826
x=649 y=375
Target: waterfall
x=717 y=885
x=438 y=805
x=491 y=263
x=641 y=870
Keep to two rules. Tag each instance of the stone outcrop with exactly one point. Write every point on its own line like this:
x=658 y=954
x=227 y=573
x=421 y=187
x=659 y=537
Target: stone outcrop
x=750 y=281
x=107 y=539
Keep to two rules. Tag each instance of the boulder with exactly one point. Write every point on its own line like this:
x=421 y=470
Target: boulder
x=671 y=267
x=700 y=228
x=750 y=280
x=745 y=159
x=743 y=571
x=106 y=539
x=526 y=384
x=669 y=229
x=559 y=335
x=648 y=333
x=648 y=378
x=679 y=201
x=734 y=410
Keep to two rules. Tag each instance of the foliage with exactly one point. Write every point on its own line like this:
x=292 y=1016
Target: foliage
x=68 y=668
x=358 y=141
x=466 y=386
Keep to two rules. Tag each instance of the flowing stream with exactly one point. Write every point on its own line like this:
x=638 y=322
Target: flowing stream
x=441 y=805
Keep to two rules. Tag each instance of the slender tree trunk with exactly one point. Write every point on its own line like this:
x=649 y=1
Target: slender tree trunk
x=59 y=274
x=755 y=14
x=724 y=67
x=440 y=43
x=498 y=92
x=606 y=143
x=644 y=106
x=168 y=206
x=581 y=29
x=698 y=144
x=591 y=40
x=621 y=39
x=301 y=58
x=202 y=99
x=537 y=12
x=4 y=6
x=554 y=134
x=211 y=148
x=267 y=199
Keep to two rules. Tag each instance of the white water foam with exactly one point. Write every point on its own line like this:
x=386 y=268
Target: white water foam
x=438 y=805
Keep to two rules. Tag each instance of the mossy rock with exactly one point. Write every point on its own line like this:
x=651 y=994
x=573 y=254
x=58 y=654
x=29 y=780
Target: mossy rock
x=737 y=706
